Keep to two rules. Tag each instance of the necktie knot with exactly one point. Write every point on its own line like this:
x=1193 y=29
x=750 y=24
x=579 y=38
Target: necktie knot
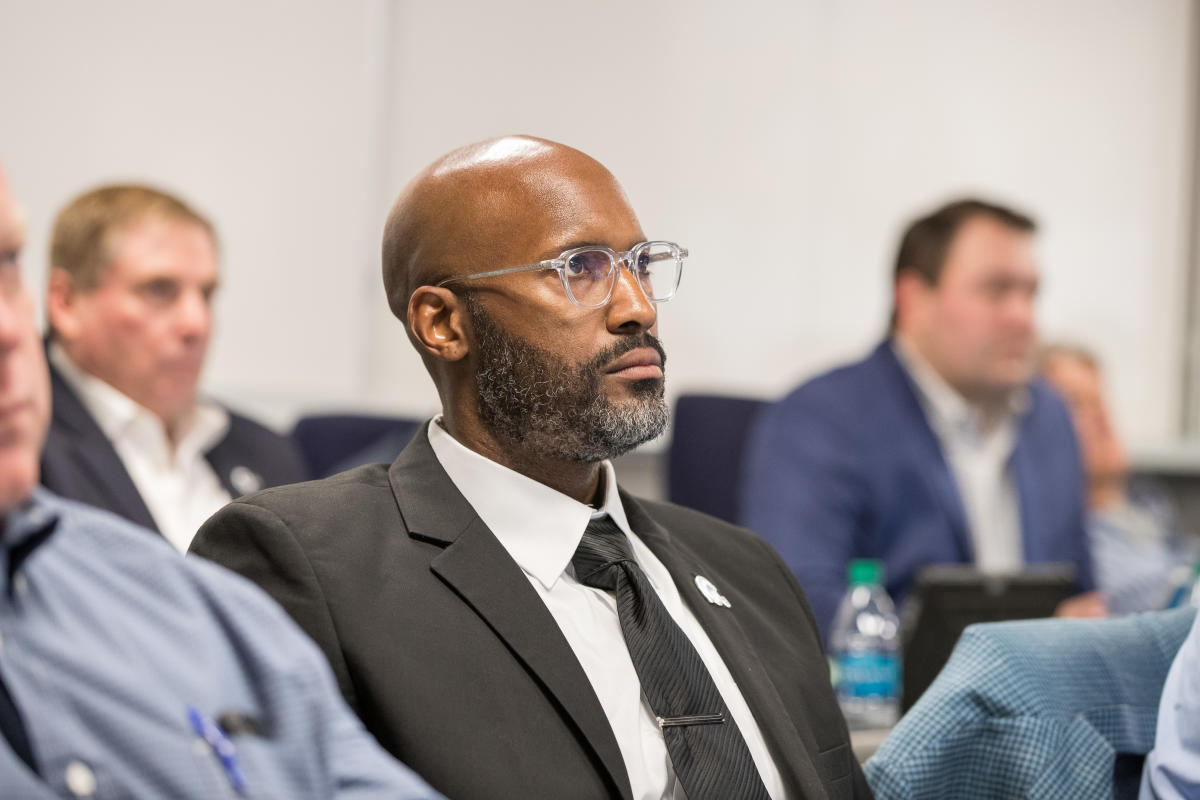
x=600 y=553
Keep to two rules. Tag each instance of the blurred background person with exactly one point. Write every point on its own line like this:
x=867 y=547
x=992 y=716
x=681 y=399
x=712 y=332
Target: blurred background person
x=129 y=309
x=130 y=672
x=1131 y=524
x=938 y=448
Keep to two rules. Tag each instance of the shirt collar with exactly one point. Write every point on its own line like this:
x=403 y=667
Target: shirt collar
x=942 y=401
x=117 y=414
x=540 y=527
x=25 y=528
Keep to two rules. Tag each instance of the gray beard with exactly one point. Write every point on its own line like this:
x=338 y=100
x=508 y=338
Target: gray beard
x=551 y=407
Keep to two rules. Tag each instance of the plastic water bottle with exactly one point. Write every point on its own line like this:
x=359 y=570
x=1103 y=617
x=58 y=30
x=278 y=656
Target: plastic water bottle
x=865 y=650
x=1183 y=587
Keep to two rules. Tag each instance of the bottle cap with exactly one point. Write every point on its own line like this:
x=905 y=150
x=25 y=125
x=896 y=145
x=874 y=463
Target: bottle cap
x=865 y=570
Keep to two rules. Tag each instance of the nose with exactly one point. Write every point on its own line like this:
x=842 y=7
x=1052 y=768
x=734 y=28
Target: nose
x=630 y=310
x=193 y=317
x=1019 y=310
x=12 y=322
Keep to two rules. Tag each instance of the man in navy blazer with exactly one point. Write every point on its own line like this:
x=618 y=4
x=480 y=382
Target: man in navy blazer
x=132 y=275
x=938 y=447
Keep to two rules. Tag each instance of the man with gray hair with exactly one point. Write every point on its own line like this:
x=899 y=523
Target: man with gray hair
x=133 y=274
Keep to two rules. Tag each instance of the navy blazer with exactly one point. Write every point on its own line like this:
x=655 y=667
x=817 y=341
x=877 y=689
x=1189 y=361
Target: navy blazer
x=80 y=463
x=847 y=466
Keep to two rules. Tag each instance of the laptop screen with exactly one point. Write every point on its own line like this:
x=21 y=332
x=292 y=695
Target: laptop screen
x=949 y=597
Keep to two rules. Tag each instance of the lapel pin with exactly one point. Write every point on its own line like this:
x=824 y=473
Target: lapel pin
x=245 y=480
x=710 y=592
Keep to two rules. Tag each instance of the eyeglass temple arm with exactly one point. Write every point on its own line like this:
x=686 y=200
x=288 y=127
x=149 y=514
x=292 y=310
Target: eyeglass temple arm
x=550 y=264
x=683 y=253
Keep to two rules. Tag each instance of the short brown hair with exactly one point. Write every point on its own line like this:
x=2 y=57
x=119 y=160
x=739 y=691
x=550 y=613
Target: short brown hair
x=925 y=242
x=84 y=231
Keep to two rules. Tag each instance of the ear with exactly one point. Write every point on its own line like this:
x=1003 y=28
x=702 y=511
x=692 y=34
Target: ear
x=62 y=304
x=912 y=297
x=437 y=320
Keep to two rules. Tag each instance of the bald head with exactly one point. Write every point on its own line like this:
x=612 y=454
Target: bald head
x=480 y=206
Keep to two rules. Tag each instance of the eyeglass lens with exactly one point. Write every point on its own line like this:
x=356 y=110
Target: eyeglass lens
x=656 y=265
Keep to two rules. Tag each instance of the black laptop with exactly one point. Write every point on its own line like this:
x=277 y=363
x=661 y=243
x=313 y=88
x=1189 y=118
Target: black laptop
x=947 y=598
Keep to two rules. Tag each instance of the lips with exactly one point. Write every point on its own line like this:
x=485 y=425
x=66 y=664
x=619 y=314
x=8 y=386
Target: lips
x=639 y=364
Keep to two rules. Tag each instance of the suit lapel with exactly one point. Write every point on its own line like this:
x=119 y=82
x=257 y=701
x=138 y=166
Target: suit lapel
x=911 y=421
x=227 y=463
x=786 y=743
x=1030 y=504
x=93 y=459
x=480 y=570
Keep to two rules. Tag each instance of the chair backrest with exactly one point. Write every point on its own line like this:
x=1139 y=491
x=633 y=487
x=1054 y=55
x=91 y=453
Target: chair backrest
x=334 y=442
x=1035 y=709
x=704 y=459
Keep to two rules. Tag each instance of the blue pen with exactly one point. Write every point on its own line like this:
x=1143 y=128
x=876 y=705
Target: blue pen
x=226 y=753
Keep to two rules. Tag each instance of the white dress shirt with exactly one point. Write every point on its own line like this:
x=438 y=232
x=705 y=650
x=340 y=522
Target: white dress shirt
x=978 y=452
x=541 y=529
x=178 y=485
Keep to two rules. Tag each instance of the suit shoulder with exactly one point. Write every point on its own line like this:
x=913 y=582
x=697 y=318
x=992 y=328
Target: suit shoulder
x=275 y=456
x=845 y=403
x=243 y=428
x=688 y=524
x=318 y=502
x=858 y=381
x=1048 y=416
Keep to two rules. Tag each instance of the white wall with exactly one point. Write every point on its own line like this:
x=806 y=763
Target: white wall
x=784 y=143
x=260 y=114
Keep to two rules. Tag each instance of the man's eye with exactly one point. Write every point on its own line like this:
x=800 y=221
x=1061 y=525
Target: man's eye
x=160 y=291
x=592 y=264
x=10 y=258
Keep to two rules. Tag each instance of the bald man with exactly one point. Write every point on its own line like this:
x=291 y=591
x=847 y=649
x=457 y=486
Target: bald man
x=500 y=613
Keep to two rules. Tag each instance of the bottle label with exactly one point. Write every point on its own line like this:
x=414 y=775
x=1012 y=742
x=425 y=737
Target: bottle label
x=868 y=675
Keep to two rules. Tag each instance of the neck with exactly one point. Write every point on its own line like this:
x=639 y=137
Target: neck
x=990 y=405
x=1106 y=492
x=991 y=408
x=580 y=481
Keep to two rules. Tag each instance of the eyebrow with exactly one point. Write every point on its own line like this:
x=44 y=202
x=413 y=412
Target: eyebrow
x=579 y=243
x=588 y=243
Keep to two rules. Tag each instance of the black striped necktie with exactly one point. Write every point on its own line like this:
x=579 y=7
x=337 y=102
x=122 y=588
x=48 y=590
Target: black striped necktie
x=708 y=753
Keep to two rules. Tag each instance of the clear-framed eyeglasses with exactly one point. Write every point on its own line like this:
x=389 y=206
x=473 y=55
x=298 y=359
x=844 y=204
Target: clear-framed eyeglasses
x=589 y=274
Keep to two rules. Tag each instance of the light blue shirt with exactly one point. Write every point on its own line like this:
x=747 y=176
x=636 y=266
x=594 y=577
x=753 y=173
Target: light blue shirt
x=118 y=653
x=1172 y=769
x=1135 y=549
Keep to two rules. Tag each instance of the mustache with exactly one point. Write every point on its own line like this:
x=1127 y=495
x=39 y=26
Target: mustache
x=633 y=342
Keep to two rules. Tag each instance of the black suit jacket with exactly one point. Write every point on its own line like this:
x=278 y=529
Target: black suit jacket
x=455 y=664
x=79 y=462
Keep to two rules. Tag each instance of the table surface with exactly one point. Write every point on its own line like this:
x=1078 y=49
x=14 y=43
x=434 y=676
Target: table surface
x=865 y=742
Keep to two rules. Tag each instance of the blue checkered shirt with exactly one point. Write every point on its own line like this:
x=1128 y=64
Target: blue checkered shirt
x=110 y=644
x=1035 y=709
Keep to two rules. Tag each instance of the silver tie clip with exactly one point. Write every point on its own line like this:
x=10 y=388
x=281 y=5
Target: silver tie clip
x=692 y=719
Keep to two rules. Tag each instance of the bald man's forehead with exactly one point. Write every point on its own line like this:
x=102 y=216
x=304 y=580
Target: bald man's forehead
x=496 y=204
